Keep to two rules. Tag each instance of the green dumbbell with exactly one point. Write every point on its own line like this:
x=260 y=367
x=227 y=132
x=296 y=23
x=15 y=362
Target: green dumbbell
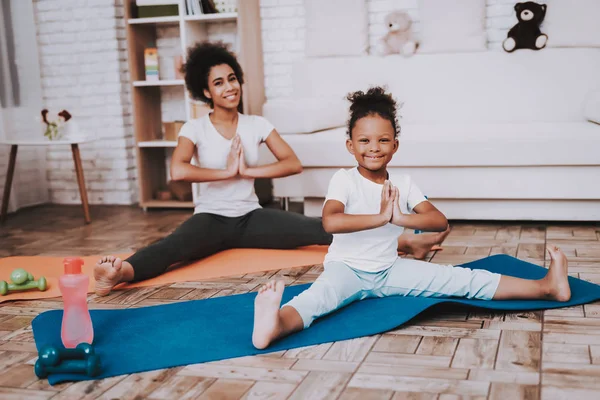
x=19 y=276
x=51 y=356
x=90 y=367
x=22 y=280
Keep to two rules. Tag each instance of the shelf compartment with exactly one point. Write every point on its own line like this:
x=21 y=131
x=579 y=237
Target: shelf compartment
x=174 y=19
x=158 y=143
x=164 y=82
x=219 y=17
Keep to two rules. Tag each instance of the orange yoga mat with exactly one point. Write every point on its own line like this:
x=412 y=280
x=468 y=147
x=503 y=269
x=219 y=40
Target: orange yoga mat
x=226 y=263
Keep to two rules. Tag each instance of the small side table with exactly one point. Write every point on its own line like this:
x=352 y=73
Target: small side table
x=14 y=145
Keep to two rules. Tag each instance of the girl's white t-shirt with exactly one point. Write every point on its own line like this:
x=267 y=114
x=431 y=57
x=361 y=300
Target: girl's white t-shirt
x=371 y=250
x=233 y=197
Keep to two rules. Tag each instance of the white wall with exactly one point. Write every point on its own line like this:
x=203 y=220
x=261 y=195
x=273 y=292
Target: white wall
x=283 y=28
x=84 y=69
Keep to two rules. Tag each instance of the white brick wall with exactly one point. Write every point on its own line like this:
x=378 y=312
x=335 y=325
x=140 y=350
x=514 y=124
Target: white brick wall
x=283 y=28
x=84 y=69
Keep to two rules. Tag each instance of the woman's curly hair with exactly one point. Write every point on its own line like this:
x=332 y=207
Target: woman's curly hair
x=200 y=59
x=374 y=102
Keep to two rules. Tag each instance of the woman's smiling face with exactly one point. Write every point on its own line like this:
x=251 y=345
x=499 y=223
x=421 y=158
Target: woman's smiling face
x=224 y=88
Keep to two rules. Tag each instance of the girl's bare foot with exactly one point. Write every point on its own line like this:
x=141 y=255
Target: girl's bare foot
x=267 y=325
x=557 y=276
x=107 y=273
x=420 y=245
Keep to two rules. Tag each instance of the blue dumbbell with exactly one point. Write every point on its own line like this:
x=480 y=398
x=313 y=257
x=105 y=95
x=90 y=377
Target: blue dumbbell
x=51 y=355
x=89 y=367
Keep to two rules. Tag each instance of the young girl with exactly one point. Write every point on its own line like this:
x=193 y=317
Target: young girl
x=227 y=214
x=366 y=213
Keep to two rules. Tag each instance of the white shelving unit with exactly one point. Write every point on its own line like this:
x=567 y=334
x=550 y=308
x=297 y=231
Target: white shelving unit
x=152 y=150
x=154 y=20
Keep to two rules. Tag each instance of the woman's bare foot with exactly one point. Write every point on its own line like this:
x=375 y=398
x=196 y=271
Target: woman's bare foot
x=558 y=276
x=107 y=273
x=267 y=325
x=420 y=245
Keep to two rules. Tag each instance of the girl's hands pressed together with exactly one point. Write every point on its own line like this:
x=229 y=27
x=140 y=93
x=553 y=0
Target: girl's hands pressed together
x=397 y=215
x=233 y=158
x=387 y=202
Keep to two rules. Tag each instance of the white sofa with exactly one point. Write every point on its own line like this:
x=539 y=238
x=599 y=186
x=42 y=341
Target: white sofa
x=486 y=135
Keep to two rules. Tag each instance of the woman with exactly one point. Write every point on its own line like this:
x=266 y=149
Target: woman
x=227 y=214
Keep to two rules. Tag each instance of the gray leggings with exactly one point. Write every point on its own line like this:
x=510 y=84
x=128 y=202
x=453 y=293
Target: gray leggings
x=205 y=234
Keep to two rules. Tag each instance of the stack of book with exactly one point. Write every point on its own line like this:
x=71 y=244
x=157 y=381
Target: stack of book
x=156 y=8
x=197 y=7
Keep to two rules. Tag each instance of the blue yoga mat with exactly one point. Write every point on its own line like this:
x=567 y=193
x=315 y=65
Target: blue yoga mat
x=150 y=338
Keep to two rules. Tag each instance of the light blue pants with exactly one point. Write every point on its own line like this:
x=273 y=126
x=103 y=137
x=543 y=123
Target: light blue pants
x=340 y=285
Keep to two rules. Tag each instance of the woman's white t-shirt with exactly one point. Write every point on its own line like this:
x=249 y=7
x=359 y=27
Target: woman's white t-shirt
x=371 y=250
x=233 y=197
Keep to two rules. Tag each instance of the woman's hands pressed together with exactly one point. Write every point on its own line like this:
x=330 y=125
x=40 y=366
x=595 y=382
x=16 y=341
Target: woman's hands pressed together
x=236 y=163
x=233 y=158
x=243 y=170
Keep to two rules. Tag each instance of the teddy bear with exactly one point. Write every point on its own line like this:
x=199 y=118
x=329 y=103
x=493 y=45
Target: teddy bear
x=399 y=37
x=526 y=33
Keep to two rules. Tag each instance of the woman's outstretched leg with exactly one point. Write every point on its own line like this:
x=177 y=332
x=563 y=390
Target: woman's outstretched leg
x=420 y=245
x=267 y=228
x=276 y=229
x=200 y=236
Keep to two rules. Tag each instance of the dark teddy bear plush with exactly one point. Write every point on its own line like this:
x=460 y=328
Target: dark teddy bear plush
x=526 y=33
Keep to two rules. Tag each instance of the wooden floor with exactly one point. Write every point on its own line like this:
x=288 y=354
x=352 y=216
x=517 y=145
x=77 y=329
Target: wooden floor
x=446 y=354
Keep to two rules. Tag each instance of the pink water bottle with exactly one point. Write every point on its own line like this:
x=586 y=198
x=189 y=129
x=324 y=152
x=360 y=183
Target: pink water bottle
x=76 y=323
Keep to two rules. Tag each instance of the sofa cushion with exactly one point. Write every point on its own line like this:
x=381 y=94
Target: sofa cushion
x=452 y=26
x=306 y=115
x=484 y=87
x=464 y=145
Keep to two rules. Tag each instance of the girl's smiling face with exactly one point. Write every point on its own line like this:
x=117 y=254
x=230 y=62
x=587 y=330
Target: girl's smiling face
x=373 y=142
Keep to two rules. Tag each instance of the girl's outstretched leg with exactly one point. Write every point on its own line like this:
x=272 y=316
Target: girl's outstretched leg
x=336 y=287
x=270 y=322
x=554 y=286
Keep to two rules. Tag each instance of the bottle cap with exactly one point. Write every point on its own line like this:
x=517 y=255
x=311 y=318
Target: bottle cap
x=72 y=265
